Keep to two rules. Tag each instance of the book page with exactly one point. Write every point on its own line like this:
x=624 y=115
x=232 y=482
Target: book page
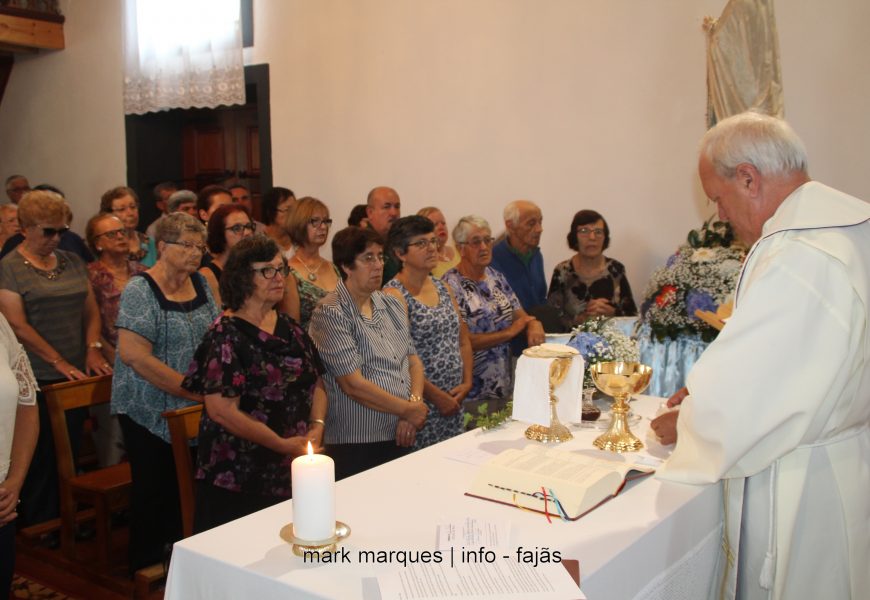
x=578 y=470
x=503 y=579
x=551 y=481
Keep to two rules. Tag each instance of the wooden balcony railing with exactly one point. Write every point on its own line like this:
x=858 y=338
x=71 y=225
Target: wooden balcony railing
x=30 y=25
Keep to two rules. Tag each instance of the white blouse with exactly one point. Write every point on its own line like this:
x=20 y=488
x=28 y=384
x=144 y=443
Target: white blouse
x=17 y=387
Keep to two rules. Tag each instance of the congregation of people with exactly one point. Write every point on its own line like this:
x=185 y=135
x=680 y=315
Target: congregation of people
x=381 y=346
x=375 y=347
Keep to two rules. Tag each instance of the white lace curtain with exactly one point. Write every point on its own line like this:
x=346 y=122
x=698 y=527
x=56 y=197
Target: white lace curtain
x=182 y=54
x=743 y=61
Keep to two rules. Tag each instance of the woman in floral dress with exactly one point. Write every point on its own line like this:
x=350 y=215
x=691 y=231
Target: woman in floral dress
x=264 y=400
x=490 y=308
x=439 y=333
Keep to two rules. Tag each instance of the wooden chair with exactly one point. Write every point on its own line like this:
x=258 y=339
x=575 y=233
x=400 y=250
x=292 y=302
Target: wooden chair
x=183 y=427
x=105 y=490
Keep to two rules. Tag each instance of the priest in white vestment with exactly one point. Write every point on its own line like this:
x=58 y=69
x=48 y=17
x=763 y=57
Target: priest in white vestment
x=779 y=405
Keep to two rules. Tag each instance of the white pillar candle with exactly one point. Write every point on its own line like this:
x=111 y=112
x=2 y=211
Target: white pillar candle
x=313 y=478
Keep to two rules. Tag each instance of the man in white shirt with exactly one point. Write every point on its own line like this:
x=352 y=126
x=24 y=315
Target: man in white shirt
x=778 y=407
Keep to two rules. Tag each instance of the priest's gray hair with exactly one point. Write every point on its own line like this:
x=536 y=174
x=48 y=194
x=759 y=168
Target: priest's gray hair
x=767 y=143
x=466 y=225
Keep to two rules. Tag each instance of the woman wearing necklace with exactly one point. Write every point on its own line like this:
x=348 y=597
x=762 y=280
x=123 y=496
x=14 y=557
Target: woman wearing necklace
x=266 y=400
x=109 y=274
x=164 y=313
x=447 y=255
x=228 y=225
x=46 y=297
x=313 y=277
x=275 y=205
x=123 y=202
x=589 y=284
x=439 y=333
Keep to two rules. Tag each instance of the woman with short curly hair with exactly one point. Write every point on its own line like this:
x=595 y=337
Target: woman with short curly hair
x=264 y=400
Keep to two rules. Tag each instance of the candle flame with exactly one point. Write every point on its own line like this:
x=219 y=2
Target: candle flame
x=310 y=449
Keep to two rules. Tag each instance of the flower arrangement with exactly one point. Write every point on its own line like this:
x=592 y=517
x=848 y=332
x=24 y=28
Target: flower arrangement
x=701 y=275
x=598 y=340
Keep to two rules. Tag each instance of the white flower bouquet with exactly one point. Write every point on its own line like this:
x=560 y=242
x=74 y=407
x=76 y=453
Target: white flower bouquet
x=700 y=275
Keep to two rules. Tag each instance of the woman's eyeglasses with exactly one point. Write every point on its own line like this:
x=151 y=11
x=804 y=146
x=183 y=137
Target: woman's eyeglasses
x=371 y=258
x=238 y=228
x=201 y=248
x=589 y=231
x=53 y=231
x=425 y=243
x=317 y=222
x=270 y=272
x=114 y=234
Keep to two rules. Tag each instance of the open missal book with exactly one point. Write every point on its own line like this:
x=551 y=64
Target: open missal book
x=552 y=481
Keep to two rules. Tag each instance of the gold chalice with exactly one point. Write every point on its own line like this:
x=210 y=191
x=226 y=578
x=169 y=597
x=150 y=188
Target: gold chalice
x=620 y=380
x=556 y=432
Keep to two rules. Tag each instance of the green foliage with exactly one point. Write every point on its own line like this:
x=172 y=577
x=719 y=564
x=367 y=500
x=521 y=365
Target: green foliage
x=486 y=420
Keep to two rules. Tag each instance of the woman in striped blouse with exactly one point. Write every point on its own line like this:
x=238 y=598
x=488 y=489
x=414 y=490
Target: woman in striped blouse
x=374 y=378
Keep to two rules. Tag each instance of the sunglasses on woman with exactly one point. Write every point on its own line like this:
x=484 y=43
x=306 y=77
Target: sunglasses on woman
x=53 y=231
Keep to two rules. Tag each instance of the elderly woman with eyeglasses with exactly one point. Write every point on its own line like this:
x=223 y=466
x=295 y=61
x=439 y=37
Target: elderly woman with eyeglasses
x=439 y=333
x=123 y=202
x=228 y=225
x=491 y=310
x=107 y=239
x=164 y=313
x=589 y=284
x=264 y=400
x=46 y=297
x=374 y=378
x=313 y=277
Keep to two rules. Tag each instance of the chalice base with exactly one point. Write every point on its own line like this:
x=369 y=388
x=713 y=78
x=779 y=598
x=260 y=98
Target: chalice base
x=555 y=434
x=619 y=437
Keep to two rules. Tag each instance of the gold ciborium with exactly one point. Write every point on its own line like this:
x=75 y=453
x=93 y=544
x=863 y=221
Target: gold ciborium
x=620 y=380
x=556 y=432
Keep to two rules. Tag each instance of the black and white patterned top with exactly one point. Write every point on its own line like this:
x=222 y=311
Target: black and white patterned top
x=378 y=347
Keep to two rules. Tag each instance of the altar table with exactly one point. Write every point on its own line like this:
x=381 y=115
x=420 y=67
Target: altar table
x=654 y=540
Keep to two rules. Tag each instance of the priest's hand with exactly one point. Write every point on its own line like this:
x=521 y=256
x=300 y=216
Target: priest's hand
x=665 y=427
x=678 y=397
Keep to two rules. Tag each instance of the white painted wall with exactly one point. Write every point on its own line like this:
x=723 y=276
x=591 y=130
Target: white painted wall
x=62 y=116
x=468 y=104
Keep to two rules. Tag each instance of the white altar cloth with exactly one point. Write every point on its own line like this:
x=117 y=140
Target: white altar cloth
x=655 y=540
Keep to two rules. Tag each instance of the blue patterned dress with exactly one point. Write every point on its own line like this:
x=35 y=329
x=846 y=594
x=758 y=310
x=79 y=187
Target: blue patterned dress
x=435 y=331
x=487 y=306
